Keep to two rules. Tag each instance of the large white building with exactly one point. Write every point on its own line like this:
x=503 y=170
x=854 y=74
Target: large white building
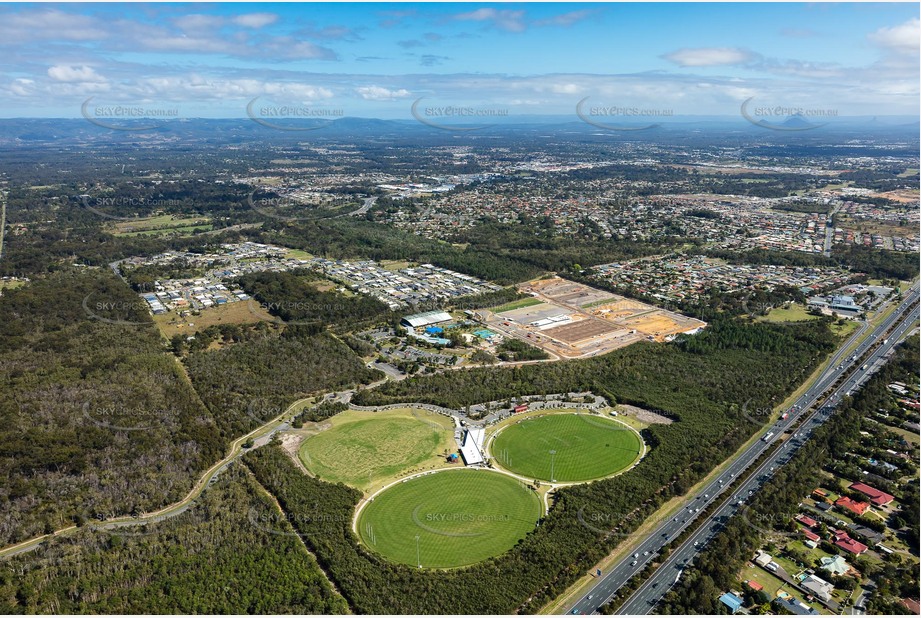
x=472 y=448
x=426 y=319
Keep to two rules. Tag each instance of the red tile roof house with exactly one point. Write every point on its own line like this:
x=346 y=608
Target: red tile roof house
x=754 y=585
x=845 y=542
x=912 y=605
x=858 y=508
x=806 y=521
x=877 y=497
x=812 y=536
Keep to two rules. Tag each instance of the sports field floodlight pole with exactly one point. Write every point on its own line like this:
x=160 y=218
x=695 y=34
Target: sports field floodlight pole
x=552 y=479
x=418 y=559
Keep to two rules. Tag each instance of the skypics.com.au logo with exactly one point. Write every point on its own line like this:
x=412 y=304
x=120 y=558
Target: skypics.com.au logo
x=620 y=118
x=291 y=117
x=127 y=117
x=455 y=118
x=785 y=117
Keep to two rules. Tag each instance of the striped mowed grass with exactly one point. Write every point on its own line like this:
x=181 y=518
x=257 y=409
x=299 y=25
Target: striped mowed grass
x=566 y=447
x=450 y=518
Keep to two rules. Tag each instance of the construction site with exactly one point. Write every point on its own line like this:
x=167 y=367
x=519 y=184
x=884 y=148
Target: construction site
x=573 y=320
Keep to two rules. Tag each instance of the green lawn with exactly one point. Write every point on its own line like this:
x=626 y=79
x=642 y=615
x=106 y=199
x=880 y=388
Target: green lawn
x=460 y=517
x=799 y=313
x=586 y=447
x=793 y=313
x=362 y=447
x=517 y=304
x=161 y=224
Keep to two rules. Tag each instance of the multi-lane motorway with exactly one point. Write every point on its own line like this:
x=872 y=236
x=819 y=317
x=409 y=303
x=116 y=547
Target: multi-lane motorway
x=844 y=361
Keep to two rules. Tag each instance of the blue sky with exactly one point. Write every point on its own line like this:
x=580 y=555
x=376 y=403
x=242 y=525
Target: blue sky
x=375 y=60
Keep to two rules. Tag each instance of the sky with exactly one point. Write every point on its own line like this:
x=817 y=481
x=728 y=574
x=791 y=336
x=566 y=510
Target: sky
x=378 y=59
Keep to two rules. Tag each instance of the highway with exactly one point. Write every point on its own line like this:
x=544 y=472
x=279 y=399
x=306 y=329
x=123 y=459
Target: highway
x=645 y=598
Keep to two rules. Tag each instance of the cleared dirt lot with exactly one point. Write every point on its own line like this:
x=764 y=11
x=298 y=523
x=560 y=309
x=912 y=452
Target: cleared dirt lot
x=597 y=321
x=576 y=332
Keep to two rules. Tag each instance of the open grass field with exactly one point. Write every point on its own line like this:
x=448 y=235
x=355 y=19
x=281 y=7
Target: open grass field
x=232 y=313
x=162 y=224
x=587 y=447
x=10 y=285
x=517 y=304
x=460 y=517
x=297 y=254
x=796 y=312
x=362 y=447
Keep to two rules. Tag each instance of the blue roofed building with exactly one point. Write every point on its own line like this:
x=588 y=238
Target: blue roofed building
x=733 y=602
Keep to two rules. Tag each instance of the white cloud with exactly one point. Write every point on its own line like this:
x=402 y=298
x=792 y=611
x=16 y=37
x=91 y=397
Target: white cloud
x=903 y=38
x=198 y=22
x=709 y=56
x=66 y=73
x=505 y=19
x=23 y=87
x=23 y=26
x=379 y=93
x=566 y=19
x=566 y=89
x=255 y=20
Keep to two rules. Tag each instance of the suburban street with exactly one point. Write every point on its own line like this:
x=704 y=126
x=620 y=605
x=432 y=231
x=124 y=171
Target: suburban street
x=644 y=599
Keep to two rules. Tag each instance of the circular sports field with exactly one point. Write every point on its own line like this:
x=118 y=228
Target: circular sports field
x=586 y=447
x=361 y=447
x=459 y=516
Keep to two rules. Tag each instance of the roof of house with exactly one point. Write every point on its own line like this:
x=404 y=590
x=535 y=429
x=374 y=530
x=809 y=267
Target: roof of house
x=876 y=496
x=852 y=505
x=912 y=604
x=806 y=521
x=731 y=601
x=869 y=533
x=754 y=585
x=845 y=542
x=818 y=586
x=836 y=565
x=797 y=607
x=809 y=534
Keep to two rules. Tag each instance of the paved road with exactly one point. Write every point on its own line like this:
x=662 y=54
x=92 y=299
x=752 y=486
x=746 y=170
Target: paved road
x=654 y=588
x=365 y=207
